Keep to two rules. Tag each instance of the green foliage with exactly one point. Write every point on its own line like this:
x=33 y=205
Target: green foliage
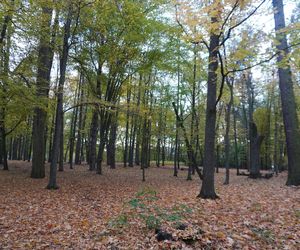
x=260 y=117
x=152 y=221
x=120 y=221
x=144 y=206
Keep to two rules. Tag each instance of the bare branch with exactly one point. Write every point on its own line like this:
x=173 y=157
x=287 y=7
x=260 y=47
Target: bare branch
x=260 y=62
x=241 y=22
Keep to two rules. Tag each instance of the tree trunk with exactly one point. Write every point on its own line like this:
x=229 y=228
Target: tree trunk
x=276 y=141
x=255 y=143
x=208 y=184
x=58 y=130
x=61 y=147
x=111 y=146
x=190 y=150
x=132 y=141
x=3 y=145
x=290 y=119
x=80 y=126
x=125 y=155
x=73 y=125
x=93 y=140
x=227 y=139
x=105 y=120
x=45 y=59
x=236 y=156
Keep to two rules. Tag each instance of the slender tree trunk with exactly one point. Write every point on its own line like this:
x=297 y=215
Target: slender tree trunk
x=132 y=141
x=80 y=126
x=50 y=138
x=61 y=147
x=276 y=142
x=281 y=149
x=93 y=140
x=1 y=152
x=176 y=155
x=236 y=156
x=105 y=121
x=112 y=142
x=73 y=126
x=163 y=153
x=290 y=119
x=95 y=122
x=227 y=139
x=58 y=131
x=125 y=155
x=3 y=145
x=139 y=125
x=190 y=151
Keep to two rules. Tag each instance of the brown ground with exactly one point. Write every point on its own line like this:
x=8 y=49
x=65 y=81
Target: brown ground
x=93 y=212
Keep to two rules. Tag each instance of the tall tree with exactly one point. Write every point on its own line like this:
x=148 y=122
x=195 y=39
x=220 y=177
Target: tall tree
x=45 y=59
x=59 y=107
x=5 y=44
x=289 y=111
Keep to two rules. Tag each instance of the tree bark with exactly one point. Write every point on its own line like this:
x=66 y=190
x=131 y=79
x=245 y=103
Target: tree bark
x=80 y=124
x=111 y=146
x=45 y=59
x=125 y=154
x=208 y=184
x=227 y=139
x=290 y=119
x=58 y=130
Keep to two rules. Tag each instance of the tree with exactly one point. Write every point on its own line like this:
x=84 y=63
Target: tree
x=5 y=43
x=290 y=119
x=58 y=130
x=220 y=23
x=45 y=59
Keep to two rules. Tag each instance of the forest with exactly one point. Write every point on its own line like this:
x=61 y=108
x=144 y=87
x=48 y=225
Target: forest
x=149 y=124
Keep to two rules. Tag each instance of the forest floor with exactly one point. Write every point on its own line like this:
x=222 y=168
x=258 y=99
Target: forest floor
x=119 y=211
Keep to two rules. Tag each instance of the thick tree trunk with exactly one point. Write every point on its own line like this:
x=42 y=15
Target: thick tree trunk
x=45 y=58
x=290 y=119
x=255 y=143
x=208 y=183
